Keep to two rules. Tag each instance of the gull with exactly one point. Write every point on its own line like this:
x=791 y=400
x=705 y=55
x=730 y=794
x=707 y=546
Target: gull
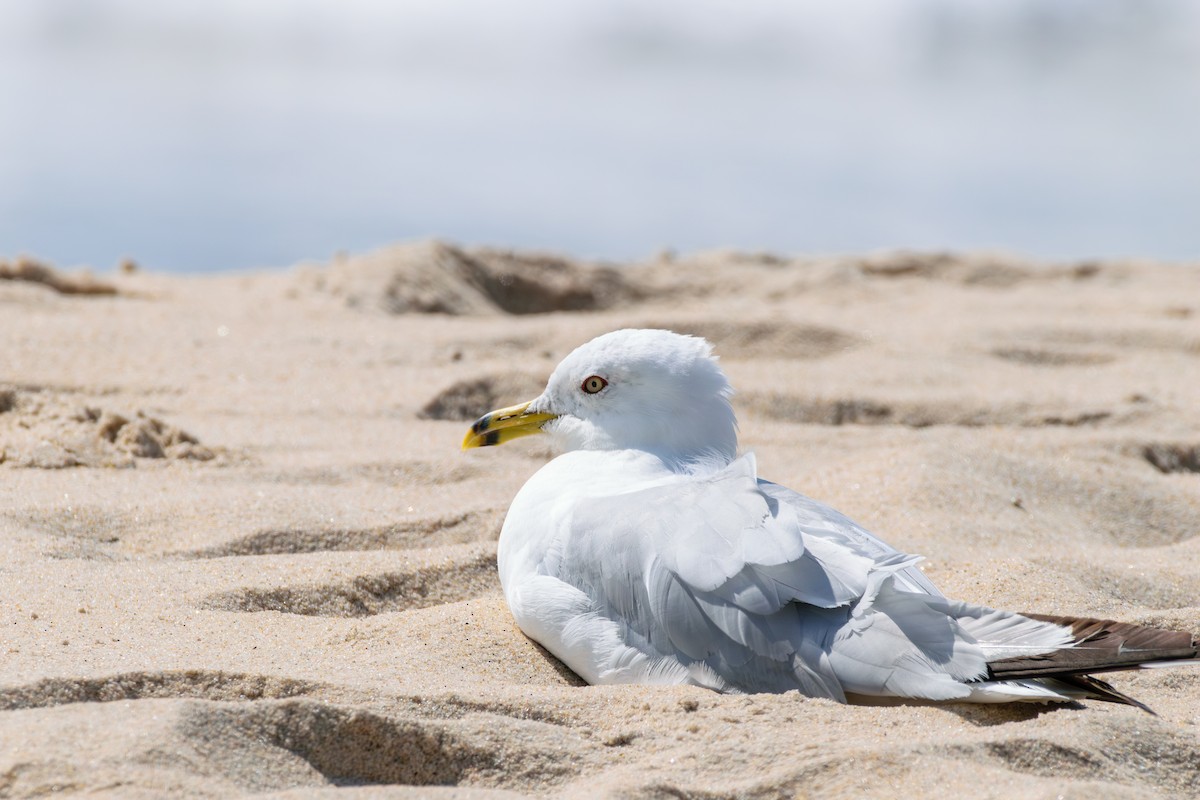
x=650 y=552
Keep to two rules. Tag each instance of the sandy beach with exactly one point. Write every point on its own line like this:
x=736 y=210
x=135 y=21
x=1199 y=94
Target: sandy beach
x=244 y=555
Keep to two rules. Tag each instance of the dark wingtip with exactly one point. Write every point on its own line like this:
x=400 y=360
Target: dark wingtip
x=1100 y=645
x=1104 y=691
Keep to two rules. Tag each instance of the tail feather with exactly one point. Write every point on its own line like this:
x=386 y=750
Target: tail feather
x=1099 y=645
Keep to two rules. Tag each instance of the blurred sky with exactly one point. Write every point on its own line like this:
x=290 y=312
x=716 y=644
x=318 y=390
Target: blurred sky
x=213 y=134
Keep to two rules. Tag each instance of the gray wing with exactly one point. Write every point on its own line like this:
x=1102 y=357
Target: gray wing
x=818 y=518
x=771 y=591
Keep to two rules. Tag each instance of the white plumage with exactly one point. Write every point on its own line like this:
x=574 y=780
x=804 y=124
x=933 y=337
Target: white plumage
x=650 y=553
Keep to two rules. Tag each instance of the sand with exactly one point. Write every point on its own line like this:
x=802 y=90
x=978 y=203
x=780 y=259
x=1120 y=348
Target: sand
x=244 y=555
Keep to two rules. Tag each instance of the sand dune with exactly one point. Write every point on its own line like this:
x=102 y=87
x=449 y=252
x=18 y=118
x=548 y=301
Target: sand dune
x=243 y=554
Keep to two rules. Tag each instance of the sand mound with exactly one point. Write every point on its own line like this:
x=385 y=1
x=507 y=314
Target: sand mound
x=48 y=429
x=971 y=269
x=34 y=271
x=218 y=749
x=208 y=685
x=389 y=473
x=438 y=278
x=466 y=401
x=916 y=414
x=1043 y=357
x=459 y=529
x=460 y=576
x=1173 y=457
x=779 y=339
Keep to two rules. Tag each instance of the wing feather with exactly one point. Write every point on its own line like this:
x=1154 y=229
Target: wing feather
x=769 y=590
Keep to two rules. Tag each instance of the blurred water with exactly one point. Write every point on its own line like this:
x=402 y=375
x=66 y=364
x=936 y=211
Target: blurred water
x=223 y=134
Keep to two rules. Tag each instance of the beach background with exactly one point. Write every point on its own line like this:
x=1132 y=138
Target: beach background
x=260 y=269
x=244 y=554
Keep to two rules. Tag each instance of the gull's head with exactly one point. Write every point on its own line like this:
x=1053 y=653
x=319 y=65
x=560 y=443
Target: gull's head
x=650 y=390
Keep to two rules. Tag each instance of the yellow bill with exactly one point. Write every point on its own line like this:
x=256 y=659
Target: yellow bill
x=505 y=424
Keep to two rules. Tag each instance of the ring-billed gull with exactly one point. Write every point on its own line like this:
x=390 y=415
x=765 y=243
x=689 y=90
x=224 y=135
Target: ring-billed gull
x=650 y=552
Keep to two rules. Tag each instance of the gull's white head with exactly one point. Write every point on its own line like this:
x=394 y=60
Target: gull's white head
x=650 y=390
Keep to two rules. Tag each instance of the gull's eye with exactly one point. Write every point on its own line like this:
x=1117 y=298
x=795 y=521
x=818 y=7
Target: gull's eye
x=593 y=384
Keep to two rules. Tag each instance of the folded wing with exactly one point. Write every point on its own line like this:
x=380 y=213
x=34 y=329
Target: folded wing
x=772 y=591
